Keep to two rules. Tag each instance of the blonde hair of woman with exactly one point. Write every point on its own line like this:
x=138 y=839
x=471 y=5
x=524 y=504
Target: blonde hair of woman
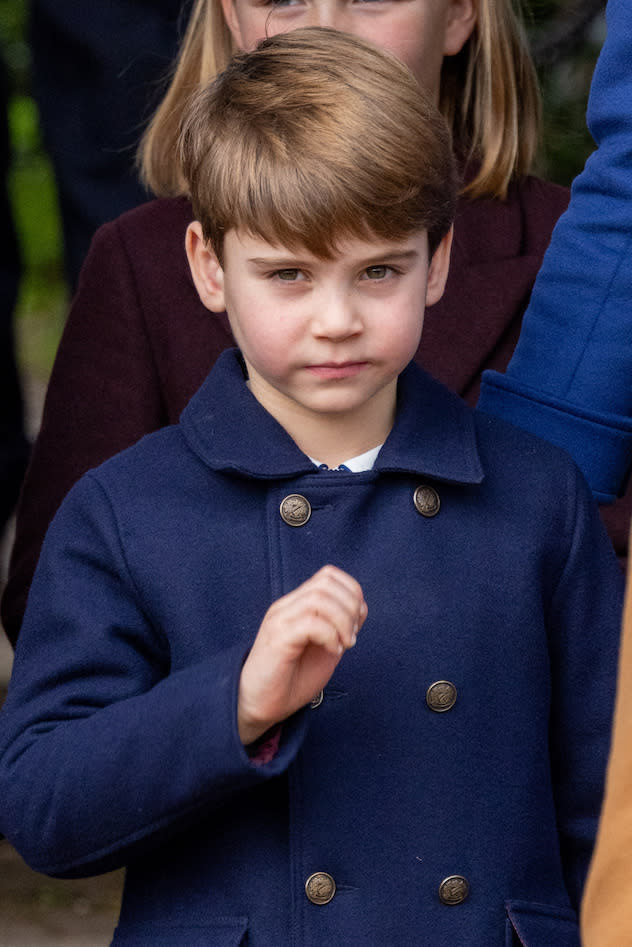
x=488 y=91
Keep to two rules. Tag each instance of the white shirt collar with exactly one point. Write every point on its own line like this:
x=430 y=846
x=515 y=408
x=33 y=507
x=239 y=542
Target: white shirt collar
x=360 y=462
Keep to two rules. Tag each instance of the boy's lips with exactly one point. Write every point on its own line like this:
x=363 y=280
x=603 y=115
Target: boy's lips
x=337 y=369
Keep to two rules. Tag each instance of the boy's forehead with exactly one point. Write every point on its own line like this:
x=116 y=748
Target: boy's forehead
x=343 y=246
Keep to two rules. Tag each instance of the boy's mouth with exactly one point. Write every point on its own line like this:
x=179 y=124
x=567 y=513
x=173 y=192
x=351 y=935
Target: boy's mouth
x=335 y=370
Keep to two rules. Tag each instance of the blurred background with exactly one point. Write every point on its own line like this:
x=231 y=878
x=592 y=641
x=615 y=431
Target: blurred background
x=565 y=38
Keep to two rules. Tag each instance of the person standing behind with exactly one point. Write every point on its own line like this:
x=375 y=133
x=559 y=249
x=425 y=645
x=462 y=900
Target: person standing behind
x=570 y=379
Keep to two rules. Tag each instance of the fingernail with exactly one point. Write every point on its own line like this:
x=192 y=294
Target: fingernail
x=353 y=640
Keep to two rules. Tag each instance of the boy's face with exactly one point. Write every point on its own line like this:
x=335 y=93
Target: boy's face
x=322 y=338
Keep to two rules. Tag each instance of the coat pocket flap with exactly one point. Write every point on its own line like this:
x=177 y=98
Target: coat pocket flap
x=220 y=931
x=540 y=925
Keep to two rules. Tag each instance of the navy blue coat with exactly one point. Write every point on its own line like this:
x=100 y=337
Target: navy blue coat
x=119 y=741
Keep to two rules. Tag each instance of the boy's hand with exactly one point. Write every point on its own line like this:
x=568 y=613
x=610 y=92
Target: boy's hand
x=300 y=641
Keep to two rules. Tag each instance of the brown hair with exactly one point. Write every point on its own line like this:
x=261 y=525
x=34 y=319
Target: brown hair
x=489 y=95
x=314 y=136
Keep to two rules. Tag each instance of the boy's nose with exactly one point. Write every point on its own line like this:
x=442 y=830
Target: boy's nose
x=337 y=319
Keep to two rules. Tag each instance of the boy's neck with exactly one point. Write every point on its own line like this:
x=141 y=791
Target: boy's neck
x=336 y=436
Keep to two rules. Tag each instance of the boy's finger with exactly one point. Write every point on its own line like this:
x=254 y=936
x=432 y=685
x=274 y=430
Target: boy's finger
x=322 y=587
x=340 y=609
x=323 y=633
x=322 y=621
x=344 y=589
x=338 y=576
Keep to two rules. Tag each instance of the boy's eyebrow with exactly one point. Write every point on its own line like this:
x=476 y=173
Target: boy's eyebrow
x=276 y=261
x=400 y=256
x=392 y=254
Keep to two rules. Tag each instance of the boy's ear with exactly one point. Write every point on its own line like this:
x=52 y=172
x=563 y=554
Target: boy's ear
x=438 y=269
x=461 y=19
x=206 y=271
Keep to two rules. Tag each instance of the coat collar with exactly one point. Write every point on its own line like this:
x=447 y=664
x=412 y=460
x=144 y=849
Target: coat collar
x=434 y=432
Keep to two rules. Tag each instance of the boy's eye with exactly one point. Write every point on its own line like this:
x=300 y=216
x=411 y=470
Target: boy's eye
x=288 y=275
x=376 y=272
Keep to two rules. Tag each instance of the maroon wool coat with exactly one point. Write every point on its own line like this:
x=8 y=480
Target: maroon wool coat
x=139 y=343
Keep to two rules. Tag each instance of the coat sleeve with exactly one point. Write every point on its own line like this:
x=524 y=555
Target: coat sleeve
x=569 y=378
x=583 y=618
x=103 y=395
x=104 y=752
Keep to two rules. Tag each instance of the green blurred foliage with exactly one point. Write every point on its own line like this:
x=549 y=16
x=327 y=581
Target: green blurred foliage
x=565 y=78
x=33 y=190
x=43 y=298
x=13 y=22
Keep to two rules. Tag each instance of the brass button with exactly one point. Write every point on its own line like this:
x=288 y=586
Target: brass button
x=427 y=500
x=317 y=700
x=320 y=887
x=454 y=889
x=295 y=510
x=441 y=696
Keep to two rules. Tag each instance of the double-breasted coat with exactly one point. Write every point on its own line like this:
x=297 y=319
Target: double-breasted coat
x=139 y=343
x=446 y=788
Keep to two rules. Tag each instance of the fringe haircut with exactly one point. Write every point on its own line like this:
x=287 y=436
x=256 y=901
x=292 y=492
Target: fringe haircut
x=315 y=136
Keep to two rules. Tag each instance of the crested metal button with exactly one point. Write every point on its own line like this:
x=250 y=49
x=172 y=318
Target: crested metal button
x=454 y=889
x=317 y=700
x=320 y=887
x=427 y=500
x=441 y=696
x=295 y=510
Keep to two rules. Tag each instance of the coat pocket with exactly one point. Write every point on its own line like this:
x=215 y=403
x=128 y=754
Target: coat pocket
x=540 y=925
x=218 y=932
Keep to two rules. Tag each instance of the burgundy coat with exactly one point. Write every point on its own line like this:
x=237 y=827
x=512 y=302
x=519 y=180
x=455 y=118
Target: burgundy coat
x=139 y=343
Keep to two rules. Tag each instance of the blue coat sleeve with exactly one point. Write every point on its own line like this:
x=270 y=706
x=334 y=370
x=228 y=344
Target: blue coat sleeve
x=570 y=378
x=103 y=751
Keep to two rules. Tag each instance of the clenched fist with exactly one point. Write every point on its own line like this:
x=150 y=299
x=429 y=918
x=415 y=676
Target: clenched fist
x=300 y=641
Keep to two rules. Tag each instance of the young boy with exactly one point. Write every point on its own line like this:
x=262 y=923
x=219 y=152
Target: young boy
x=187 y=699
